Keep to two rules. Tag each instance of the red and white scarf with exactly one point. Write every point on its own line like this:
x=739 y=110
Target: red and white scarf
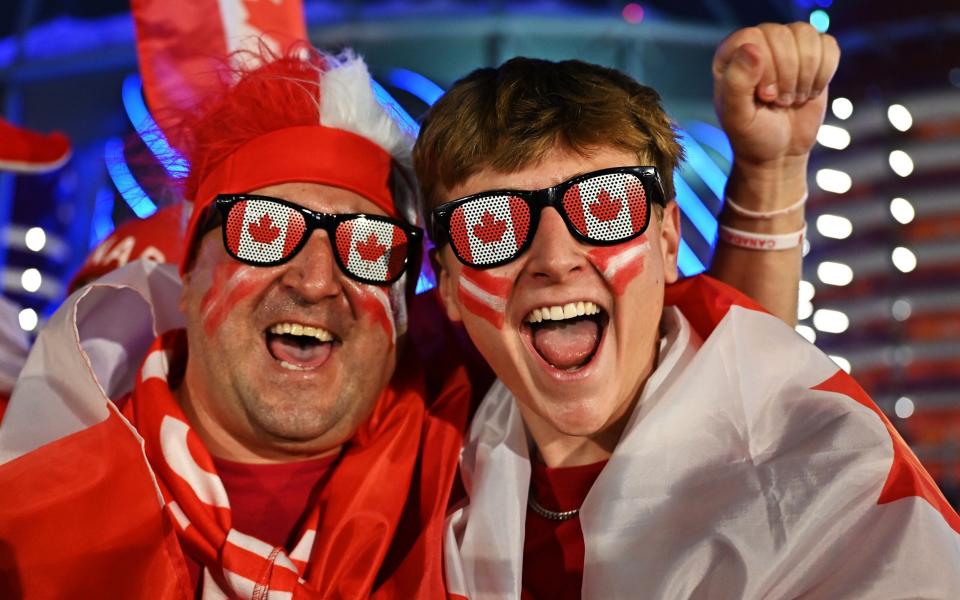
x=358 y=519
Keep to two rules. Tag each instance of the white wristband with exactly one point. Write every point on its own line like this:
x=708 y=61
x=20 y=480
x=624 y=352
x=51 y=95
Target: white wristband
x=762 y=241
x=753 y=214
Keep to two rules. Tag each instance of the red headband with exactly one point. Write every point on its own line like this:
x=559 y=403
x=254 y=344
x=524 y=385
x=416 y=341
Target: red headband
x=310 y=154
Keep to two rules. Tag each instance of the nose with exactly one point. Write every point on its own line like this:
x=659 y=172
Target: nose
x=554 y=254
x=313 y=273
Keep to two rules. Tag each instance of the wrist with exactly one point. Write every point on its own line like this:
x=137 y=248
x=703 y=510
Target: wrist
x=768 y=187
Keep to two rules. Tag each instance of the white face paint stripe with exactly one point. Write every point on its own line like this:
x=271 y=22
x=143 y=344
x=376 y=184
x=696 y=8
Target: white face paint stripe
x=381 y=295
x=173 y=444
x=238 y=277
x=624 y=258
x=155 y=365
x=495 y=302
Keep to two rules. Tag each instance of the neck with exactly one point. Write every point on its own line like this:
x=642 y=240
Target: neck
x=197 y=404
x=557 y=449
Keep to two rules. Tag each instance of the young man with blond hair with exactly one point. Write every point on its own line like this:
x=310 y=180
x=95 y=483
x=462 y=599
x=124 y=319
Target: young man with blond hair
x=650 y=437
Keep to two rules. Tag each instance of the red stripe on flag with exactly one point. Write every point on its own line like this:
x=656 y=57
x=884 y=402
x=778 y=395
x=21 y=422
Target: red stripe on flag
x=235 y=221
x=398 y=251
x=181 y=44
x=520 y=219
x=459 y=236
x=573 y=204
x=636 y=200
x=294 y=232
x=907 y=476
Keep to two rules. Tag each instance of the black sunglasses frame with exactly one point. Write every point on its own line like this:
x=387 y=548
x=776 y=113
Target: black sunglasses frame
x=314 y=220
x=537 y=200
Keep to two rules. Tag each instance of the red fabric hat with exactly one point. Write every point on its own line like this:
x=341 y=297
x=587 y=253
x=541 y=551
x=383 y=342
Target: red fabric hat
x=158 y=238
x=301 y=117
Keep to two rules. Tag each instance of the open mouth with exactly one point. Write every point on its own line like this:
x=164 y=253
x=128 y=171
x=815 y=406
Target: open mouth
x=299 y=347
x=567 y=336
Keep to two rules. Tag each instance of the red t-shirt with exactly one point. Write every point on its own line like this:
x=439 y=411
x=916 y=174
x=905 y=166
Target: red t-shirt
x=553 y=550
x=268 y=501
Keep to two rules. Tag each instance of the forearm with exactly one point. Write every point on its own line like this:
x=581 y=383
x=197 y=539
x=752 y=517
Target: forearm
x=771 y=277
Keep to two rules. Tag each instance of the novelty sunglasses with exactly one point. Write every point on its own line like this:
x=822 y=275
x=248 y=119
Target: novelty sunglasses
x=601 y=208
x=264 y=232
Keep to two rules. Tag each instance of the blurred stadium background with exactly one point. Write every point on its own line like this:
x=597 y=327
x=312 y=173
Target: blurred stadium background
x=881 y=289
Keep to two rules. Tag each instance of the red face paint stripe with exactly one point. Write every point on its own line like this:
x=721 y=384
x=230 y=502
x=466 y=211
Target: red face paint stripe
x=484 y=295
x=374 y=302
x=228 y=288
x=622 y=263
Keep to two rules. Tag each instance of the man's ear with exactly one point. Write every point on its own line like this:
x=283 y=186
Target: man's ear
x=446 y=286
x=670 y=241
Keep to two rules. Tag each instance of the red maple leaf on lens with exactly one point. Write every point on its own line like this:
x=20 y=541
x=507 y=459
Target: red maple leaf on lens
x=263 y=231
x=489 y=229
x=606 y=208
x=370 y=249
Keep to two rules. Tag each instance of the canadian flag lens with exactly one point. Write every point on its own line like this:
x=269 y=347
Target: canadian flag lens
x=263 y=232
x=490 y=229
x=607 y=208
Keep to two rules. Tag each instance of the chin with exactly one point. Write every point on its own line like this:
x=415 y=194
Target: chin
x=579 y=418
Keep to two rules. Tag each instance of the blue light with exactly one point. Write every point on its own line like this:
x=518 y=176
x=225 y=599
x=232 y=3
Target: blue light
x=688 y=262
x=425 y=283
x=713 y=137
x=392 y=106
x=137 y=199
x=416 y=84
x=693 y=207
x=824 y=3
x=175 y=164
x=820 y=20
x=102 y=223
x=701 y=162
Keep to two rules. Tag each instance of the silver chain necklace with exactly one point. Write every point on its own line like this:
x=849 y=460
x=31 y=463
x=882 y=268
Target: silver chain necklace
x=550 y=514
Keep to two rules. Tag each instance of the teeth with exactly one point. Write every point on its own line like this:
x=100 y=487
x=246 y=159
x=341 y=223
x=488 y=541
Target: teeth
x=559 y=313
x=287 y=365
x=298 y=329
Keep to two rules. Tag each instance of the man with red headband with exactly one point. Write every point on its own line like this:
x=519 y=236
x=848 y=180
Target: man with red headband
x=274 y=441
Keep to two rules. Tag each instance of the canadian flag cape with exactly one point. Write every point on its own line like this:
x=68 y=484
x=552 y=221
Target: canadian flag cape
x=752 y=467
x=82 y=511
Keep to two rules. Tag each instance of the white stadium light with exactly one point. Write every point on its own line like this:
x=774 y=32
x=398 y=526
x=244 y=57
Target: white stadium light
x=832 y=180
x=834 y=226
x=35 y=239
x=904 y=259
x=902 y=210
x=901 y=309
x=28 y=319
x=834 y=273
x=841 y=362
x=904 y=407
x=31 y=280
x=807 y=291
x=842 y=108
x=830 y=321
x=807 y=332
x=834 y=137
x=900 y=117
x=901 y=163
x=804 y=310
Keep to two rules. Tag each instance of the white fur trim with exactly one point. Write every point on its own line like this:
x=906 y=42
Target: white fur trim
x=347 y=101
